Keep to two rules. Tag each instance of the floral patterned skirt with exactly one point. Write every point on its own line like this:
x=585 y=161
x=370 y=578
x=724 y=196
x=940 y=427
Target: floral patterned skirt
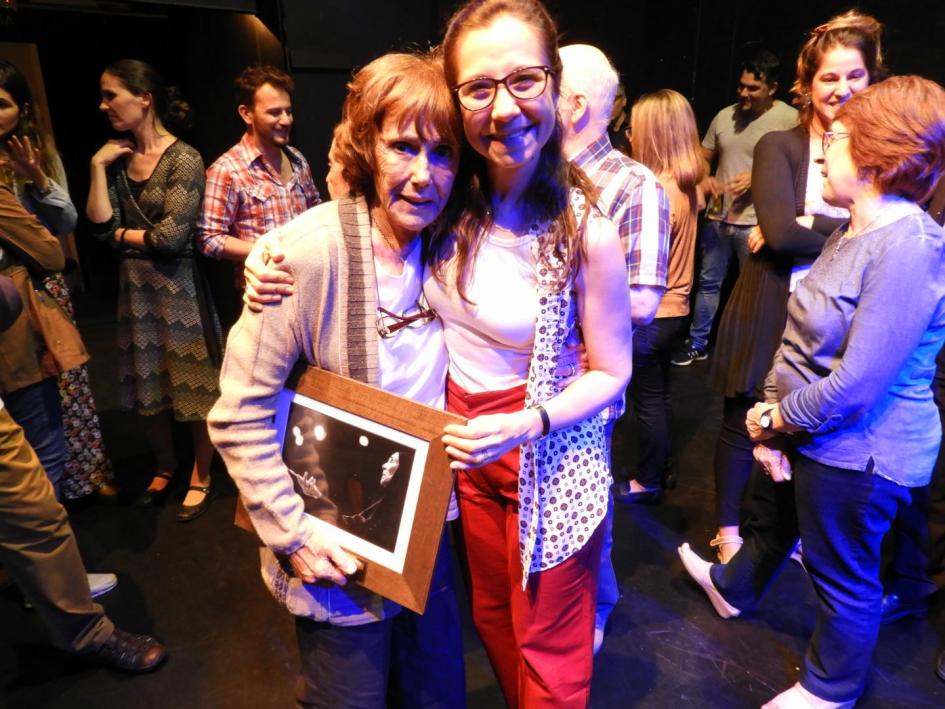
x=87 y=466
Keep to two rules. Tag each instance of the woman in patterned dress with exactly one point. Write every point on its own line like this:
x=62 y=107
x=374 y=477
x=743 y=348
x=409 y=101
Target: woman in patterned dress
x=144 y=197
x=33 y=170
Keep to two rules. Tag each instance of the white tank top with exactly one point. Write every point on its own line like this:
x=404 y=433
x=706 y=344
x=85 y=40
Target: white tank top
x=490 y=339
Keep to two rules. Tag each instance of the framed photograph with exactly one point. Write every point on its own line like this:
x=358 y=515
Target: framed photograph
x=373 y=473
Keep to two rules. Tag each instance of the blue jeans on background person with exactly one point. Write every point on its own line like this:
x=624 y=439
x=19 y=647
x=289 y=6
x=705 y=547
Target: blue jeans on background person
x=843 y=516
x=37 y=409
x=718 y=241
x=608 y=592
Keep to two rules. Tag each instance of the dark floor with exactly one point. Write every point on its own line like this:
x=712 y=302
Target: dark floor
x=197 y=587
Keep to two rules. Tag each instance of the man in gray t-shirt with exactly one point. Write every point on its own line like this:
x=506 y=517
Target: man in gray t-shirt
x=731 y=140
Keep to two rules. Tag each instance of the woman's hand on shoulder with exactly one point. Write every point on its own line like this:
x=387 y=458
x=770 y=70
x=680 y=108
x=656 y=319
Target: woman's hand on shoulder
x=112 y=151
x=268 y=279
x=485 y=439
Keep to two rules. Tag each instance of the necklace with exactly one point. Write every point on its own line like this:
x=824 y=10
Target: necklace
x=392 y=246
x=388 y=241
x=850 y=235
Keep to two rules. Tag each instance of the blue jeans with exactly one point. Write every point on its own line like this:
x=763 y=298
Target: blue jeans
x=843 y=516
x=607 y=591
x=426 y=664
x=343 y=666
x=407 y=660
x=718 y=241
x=36 y=408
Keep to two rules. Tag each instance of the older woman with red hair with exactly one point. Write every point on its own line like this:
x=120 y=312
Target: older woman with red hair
x=851 y=380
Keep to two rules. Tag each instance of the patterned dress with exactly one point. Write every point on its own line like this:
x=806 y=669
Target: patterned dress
x=164 y=363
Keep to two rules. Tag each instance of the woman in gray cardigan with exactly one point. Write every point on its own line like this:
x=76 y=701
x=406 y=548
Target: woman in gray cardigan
x=397 y=147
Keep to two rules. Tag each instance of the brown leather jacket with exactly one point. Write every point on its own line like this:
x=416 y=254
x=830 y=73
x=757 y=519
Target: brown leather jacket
x=30 y=248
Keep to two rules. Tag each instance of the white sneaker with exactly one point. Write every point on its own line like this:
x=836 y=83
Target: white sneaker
x=698 y=569
x=101 y=583
x=799 y=698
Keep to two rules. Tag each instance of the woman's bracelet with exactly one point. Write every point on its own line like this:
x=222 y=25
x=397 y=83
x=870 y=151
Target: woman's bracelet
x=545 y=421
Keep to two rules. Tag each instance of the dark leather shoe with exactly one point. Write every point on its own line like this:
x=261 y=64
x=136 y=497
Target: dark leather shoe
x=940 y=667
x=188 y=513
x=153 y=498
x=895 y=608
x=649 y=496
x=130 y=653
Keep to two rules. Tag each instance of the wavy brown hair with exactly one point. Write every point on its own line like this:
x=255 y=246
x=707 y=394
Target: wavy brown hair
x=897 y=135
x=851 y=29
x=547 y=198
x=408 y=87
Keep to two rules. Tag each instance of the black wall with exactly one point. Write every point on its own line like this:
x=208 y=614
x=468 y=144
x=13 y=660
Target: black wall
x=693 y=46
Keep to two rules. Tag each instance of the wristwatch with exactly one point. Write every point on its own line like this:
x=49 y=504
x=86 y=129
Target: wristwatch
x=766 y=421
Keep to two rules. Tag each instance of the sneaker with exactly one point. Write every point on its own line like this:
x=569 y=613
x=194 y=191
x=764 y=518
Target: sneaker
x=689 y=355
x=100 y=584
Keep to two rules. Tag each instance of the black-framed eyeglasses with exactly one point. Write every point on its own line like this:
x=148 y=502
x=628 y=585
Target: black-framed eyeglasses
x=524 y=83
x=389 y=324
x=830 y=137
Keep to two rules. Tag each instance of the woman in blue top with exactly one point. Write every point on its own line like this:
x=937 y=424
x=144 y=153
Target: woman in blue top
x=851 y=378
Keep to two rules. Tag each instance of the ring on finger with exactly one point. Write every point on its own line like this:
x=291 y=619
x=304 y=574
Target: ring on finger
x=573 y=370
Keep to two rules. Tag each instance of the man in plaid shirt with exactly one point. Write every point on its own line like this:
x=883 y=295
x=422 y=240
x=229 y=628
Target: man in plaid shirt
x=261 y=182
x=631 y=197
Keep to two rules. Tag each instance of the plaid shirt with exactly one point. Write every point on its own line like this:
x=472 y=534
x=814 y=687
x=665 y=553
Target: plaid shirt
x=244 y=198
x=633 y=199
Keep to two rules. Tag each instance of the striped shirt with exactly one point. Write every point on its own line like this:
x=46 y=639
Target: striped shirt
x=245 y=198
x=633 y=199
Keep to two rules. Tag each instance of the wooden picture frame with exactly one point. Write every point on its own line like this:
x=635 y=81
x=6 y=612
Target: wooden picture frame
x=319 y=414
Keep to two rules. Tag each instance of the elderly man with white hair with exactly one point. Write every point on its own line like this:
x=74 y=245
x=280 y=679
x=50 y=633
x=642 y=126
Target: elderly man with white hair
x=632 y=197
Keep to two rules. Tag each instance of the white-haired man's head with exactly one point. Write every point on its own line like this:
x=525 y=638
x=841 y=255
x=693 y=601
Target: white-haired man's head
x=588 y=86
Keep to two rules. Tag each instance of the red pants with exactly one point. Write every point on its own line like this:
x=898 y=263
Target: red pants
x=539 y=640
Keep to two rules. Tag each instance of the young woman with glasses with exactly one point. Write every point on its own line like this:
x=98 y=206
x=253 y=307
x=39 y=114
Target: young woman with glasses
x=521 y=261
x=524 y=263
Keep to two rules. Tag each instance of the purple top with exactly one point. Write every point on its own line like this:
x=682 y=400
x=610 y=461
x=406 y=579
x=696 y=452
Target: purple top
x=858 y=352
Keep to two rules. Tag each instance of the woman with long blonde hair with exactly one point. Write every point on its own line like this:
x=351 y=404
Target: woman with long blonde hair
x=663 y=136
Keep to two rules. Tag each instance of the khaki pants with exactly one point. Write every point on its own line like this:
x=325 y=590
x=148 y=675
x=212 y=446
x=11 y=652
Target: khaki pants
x=39 y=550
